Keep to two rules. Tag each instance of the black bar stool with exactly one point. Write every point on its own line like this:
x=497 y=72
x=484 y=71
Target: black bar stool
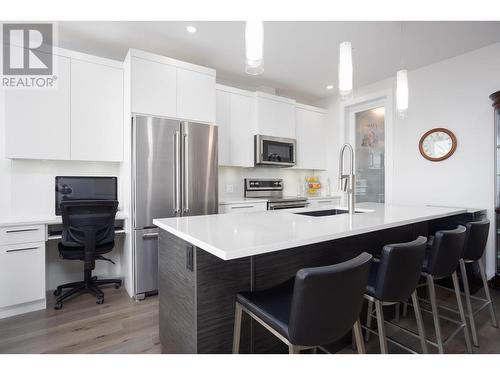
x=475 y=244
x=442 y=258
x=393 y=279
x=319 y=306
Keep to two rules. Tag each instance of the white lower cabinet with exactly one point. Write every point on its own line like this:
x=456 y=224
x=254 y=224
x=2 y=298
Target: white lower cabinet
x=242 y=207
x=22 y=274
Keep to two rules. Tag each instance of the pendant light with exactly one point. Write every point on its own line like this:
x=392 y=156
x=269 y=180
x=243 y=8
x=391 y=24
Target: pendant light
x=402 y=92
x=254 y=45
x=345 y=69
x=402 y=85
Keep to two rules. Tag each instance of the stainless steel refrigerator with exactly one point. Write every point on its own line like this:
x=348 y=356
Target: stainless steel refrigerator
x=174 y=173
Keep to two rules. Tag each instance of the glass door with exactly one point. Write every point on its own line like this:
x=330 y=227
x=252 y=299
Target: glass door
x=370 y=154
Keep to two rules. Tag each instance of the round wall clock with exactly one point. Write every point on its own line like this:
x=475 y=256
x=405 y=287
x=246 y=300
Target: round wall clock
x=437 y=144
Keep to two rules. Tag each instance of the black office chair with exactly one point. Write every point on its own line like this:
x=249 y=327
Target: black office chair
x=88 y=233
x=319 y=306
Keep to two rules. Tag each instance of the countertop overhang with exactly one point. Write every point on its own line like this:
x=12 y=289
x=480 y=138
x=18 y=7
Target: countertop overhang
x=239 y=235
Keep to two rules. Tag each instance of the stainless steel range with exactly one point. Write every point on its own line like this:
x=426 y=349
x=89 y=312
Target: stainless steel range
x=272 y=190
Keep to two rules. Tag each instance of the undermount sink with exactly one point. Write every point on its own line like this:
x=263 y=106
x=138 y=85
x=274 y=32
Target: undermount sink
x=326 y=212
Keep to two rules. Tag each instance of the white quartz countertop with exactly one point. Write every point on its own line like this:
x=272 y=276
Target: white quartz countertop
x=238 y=235
x=38 y=219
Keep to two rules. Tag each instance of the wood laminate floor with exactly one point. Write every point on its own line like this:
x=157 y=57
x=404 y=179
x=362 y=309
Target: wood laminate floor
x=121 y=325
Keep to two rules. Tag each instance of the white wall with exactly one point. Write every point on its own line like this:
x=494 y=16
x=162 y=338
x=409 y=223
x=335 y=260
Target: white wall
x=452 y=94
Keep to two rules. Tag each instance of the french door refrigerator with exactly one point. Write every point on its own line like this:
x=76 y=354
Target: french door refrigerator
x=174 y=173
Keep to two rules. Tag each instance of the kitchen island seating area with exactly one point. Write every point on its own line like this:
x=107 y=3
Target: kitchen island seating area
x=320 y=305
x=201 y=275
x=316 y=307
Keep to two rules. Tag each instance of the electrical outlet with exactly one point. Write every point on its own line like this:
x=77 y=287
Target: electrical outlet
x=229 y=188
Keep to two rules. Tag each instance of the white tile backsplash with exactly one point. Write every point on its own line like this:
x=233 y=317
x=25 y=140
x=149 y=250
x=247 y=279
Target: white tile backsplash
x=232 y=177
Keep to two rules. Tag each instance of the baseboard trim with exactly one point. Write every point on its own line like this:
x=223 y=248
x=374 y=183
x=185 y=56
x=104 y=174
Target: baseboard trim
x=22 y=308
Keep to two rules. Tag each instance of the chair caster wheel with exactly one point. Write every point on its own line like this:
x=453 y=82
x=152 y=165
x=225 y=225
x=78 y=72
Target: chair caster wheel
x=57 y=292
x=117 y=286
x=100 y=301
x=58 y=306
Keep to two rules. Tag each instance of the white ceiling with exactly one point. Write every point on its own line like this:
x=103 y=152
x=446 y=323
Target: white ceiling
x=300 y=57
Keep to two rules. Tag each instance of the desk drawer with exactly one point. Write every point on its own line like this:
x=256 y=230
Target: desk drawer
x=22 y=234
x=22 y=273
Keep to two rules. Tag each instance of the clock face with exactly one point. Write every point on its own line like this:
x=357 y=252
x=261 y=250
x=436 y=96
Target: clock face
x=437 y=144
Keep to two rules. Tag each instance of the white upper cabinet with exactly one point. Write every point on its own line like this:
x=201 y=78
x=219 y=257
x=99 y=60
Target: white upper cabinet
x=96 y=112
x=195 y=96
x=223 y=118
x=37 y=122
x=311 y=137
x=242 y=130
x=80 y=119
x=154 y=88
x=161 y=86
x=275 y=115
x=235 y=119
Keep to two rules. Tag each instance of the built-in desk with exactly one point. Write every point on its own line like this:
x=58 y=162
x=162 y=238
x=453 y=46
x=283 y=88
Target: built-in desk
x=23 y=244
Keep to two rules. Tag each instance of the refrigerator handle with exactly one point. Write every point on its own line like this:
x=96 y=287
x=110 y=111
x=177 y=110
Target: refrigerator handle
x=185 y=163
x=177 y=172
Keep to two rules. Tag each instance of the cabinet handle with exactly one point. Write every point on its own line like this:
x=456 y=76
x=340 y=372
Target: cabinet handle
x=149 y=235
x=23 y=249
x=21 y=230
x=185 y=193
x=234 y=207
x=177 y=172
x=325 y=201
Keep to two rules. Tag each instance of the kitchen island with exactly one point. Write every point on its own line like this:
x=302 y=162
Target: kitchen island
x=205 y=260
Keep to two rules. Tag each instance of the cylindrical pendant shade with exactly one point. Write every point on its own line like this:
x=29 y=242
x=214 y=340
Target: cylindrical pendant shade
x=345 y=69
x=402 y=92
x=254 y=45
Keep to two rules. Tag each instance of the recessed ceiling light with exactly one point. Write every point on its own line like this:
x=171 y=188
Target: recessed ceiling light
x=191 y=29
x=329 y=87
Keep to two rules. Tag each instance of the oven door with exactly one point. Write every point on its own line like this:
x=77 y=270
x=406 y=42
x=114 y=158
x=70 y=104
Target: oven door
x=285 y=205
x=274 y=151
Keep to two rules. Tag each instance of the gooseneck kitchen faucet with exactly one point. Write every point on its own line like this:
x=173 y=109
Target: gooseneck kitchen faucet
x=348 y=181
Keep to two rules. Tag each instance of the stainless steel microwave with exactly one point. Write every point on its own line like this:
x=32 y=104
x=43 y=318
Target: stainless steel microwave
x=274 y=151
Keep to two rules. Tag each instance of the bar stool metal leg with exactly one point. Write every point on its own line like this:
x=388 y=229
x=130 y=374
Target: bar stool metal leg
x=405 y=309
x=435 y=313
x=494 y=322
x=369 y=319
x=358 y=335
x=420 y=322
x=381 y=327
x=472 y=321
x=397 y=308
x=461 y=310
x=237 y=328
x=293 y=349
